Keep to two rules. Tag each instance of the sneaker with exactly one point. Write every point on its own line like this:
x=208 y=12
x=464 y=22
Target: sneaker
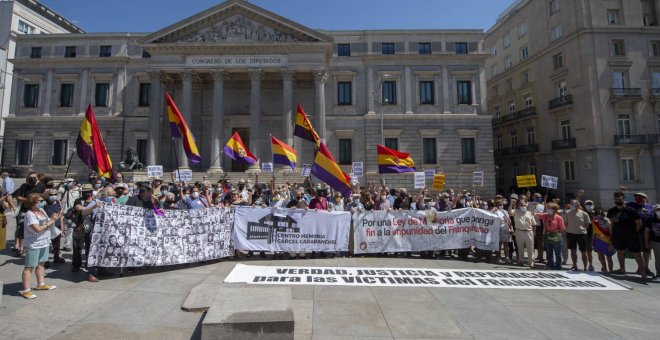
x=28 y=294
x=66 y=249
x=656 y=279
x=59 y=260
x=574 y=269
x=591 y=268
x=45 y=287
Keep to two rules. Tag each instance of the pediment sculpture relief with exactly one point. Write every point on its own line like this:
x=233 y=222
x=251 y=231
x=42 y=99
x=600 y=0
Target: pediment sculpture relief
x=238 y=29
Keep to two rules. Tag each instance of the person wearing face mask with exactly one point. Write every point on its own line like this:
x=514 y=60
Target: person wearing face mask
x=32 y=185
x=603 y=245
x=121 y=197
x=196 y=200
x=506 y=230
x=337 y=203
x=577 y=224
x=524 y=223
x=53 y=208
x=626 y=225
x=645 y=212
x=537 y=207
x=84 y=223
x=403 y=201
x=278 y=200
x=171 y=203
x=144 y=199
x=553 y=227
x=382 y=203
x=652 y=238
x=156 y=185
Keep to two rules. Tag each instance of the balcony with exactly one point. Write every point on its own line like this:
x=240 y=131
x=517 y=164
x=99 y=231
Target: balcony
x=630 y=139
x=564 y=144
x=654 y=139
x=561 y=101
x=528 y=112
x=529 y=148
x=655 y=94
x=505 y=152
x=626 y=94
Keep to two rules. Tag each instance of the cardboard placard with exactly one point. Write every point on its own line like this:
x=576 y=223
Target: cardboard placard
x=183 y=175
x=526 y=181
x=429 y=173
x=420 y=180
x=478 y=179
x=358 y=169
x=549 y=182
x=267 y=168
x=306 y=170
x=439 y=182
x=155 y=171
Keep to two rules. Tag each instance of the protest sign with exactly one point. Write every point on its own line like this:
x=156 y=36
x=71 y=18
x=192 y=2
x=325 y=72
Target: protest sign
x=354 y=179
x=126 y=236
x=267 y=168
x=438 y=182
x=549 y=182
x=300 y=230
x=306 y=170
x=404 y=231
x=183 y=175
x=155 y=171
x=418 y=277
x=478 y=179
x=358 y=169
x=429 y=173
x=420 y=180
x=526 y=181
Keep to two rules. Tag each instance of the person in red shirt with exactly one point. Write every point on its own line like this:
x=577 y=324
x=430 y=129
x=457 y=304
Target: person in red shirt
x=553 y=226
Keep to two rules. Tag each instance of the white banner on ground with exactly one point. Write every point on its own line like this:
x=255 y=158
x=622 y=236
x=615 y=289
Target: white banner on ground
x=401 y=231
x=549 y=182
x=183 y=175
x=420 y=180
x=155 y=171
x=125 y=236
x=269 y=229
x=418 y=277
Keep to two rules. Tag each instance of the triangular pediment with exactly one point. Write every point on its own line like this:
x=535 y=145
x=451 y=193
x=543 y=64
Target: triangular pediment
x=236 y=21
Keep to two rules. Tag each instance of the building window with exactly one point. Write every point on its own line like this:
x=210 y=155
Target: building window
x=388 y=48
x=493 y=50
x=23 y=152
x=392 y=143
x=524 y=78
x=528 y=102
x=145 y=54
x=493 y=70
x=628 y=169
x=508 y=62
x=655 y=48
x=612 y=17
x=24 y=28
x=555 y=33
x=569 y=170
x=389 y=92
x=524 y=53
x=461 y=48
x=496 y=91
x=66 y=95
x=499 y=144
x=532 y=168
x=553 y=5
x=497 y=110
x=141 y=147
x=515 y=169
x=345 y=93
x=425 y=48
x=522 y=29
x=562 y=89
x=565 y=130
x=623 y=125
x=345 y=151
x=31 y=95
x=70 y=52
x=430 y=152
x=464 y=92
x=531 y=136
x=506 y=41
x=35 y=53
x=619 y=78
x=558 y=61
x=426 y=92
x=618 y=48
x=101 y=95
x=344 y=50
x=512 y=106
x=144 y=95
x=514 y=139
x=58 y=156
x=509 y=84
x=105 y=51
x=468 y=151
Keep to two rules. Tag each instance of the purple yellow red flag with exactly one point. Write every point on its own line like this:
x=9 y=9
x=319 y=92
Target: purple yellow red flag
x=179 y=129
x=91 y=148
x=602 y=238
x=326 y=169
x=236 y=150
x=392 y=161
x=283 y=154
x=304 y=128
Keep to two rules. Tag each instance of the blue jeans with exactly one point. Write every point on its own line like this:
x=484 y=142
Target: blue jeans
x=553 y=252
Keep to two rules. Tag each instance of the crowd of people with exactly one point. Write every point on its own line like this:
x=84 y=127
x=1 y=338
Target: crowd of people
x=60 y=214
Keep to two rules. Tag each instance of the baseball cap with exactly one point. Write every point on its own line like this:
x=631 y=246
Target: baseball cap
x=641 y=194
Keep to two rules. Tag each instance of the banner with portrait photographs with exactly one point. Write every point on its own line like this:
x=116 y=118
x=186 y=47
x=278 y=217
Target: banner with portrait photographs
x=125 y=236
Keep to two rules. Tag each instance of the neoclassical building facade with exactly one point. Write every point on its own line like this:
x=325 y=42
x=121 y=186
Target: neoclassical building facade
x=239 y=67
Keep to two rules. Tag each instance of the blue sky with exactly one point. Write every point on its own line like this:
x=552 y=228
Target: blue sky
x=152 y=15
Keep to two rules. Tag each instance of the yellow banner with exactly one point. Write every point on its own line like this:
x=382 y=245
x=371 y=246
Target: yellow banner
x=438 y=182
x=526 y=181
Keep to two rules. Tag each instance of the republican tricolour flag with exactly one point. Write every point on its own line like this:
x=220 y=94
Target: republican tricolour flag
x=91 y=148
x=236 y=150
x=326 y=169
x=283 y=154
x=394 y=162
x=602 y=239
x=179 y=129
x=304 y=128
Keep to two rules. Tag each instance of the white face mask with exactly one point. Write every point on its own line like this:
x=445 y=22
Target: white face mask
x=383 y=197
x=523 y=209
x=589 y=207
x=277 y=197
x=572 y=207
x=657 y=214
x=549 y=211
x=195 y=194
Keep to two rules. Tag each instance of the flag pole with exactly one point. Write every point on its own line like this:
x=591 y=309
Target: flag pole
x=176 y=160
x=66 y=173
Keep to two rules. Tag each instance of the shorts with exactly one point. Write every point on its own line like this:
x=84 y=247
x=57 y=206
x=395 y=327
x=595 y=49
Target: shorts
x=505 y=235
x=576 y=241
x=35 y=256
x=626 y=240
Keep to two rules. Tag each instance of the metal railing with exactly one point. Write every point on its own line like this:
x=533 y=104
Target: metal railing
x=625 y=93
x=569 y=143
x=630 y=139
x=528 y=148
x=561 y=101
x=527 y=112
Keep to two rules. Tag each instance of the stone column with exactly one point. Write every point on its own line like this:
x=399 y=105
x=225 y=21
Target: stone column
x=287 y=105
x=217 y=122
x=155 y=118
x=445 y=89
x=84 y=79
x=120 y=85
x=48 y=95
x=186 y=107
x=409 y=100
x=473 y=83
x=320 y=78
x=370 y=91
x=481 y=80
x=16 y=102
x=255 y=117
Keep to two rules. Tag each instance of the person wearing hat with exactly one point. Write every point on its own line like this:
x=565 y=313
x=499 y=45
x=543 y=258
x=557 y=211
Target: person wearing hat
x=84 y=207
x=645 y=212
x=337 y=203
x=121 y=193
x=652 y=238
x=156 y=185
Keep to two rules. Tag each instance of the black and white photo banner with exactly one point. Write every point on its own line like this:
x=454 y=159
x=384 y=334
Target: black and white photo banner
x=402 y=231
x=125 y=236
x=291 y=230
x=419 y=277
